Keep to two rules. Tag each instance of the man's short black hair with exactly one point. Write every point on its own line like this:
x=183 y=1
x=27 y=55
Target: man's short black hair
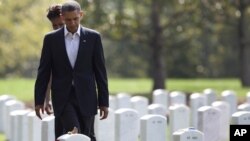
x=54 y=11
x=71 y=5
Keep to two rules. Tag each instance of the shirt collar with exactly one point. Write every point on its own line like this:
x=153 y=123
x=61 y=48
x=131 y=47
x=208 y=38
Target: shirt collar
x=66 y=32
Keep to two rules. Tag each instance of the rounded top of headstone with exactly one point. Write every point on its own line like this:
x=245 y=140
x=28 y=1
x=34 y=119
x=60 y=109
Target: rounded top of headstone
x=49 y=118
x=195 y=95
x=5 y=97
x=209 y=91
x=73 y=137
x=219 y=103
x=178 y=106
x=122 y=110
x=176 y=93
x=156 y=105
x=32 y=114
x=160 y=91
x=204 y=108
x=240 y=113
x=123 y=95
x=228 y=93
x=13 y=102
x=20 y=112
x=150 y=116
x=190 y=130
x=138 y=98
x=244 y=106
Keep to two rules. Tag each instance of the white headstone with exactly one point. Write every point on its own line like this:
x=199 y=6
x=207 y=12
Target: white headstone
x=177 y=97
x=10 y=106
x=230 y=97
x=176 y=120
x=112 y=102
x=153 y=128
x=160 y=96
x=73 y=137
x=126 y=125
x=210 y=96
x=244 y=107
x=123 y=100
x=196 y=101
x=34 y=127
x=157 y=109
x=19 y=125
x=140 y=104
x=3 y=99
x=208 y=123
x=105 y=129
x=241 y=118
x=224 y=119
x=188 y=134
x=48 y=129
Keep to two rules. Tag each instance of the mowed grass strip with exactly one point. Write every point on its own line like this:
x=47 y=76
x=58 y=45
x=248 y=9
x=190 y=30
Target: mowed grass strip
x=23 y=89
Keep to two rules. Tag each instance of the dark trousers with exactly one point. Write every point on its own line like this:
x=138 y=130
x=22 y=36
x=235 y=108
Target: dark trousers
x=71 y=117
x=59 y=130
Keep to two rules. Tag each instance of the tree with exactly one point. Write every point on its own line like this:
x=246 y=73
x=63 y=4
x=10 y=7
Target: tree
x=243 y=43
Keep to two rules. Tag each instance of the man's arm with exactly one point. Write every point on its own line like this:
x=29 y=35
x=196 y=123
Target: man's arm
x=43 y=76
x=101 y=78
x=47 y=104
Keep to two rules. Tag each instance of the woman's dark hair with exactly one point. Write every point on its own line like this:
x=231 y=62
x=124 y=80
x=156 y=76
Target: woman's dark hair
x=54 y=11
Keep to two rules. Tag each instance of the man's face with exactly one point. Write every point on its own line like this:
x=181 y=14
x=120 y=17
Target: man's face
x=57 y=23
x=72 y=20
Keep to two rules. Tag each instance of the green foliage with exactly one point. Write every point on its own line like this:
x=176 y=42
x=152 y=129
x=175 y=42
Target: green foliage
x=199 y=37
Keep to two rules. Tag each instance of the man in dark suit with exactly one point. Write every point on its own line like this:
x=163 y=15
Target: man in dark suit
x=74 y=55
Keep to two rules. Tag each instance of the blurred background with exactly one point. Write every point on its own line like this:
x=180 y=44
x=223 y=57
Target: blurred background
x=155 y=39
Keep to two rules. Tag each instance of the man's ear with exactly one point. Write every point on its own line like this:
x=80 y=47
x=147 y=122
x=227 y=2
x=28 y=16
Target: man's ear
x=81 y=14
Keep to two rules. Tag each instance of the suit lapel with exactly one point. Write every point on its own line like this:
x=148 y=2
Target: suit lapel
x=82 y=43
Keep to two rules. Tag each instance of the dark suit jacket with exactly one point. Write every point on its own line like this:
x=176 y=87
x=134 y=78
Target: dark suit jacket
x=89 y=74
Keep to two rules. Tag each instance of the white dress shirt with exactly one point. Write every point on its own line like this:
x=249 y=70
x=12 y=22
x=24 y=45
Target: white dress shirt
x=72 y=44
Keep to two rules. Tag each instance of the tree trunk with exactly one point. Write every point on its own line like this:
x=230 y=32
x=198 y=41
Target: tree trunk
x=158 y=63
x=244 y=50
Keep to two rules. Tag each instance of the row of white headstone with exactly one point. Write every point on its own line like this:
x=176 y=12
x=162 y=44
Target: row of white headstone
x=133 y=119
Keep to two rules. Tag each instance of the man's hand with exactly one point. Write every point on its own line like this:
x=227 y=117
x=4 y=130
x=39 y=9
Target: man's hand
x=39 y=108
x=48 y=108
x=103 y=112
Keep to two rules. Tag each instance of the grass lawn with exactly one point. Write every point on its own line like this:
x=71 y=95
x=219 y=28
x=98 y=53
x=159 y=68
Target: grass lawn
x=23 y=89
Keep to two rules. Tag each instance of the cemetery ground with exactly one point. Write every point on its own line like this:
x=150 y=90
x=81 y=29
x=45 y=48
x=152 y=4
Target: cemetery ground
x=23 y=89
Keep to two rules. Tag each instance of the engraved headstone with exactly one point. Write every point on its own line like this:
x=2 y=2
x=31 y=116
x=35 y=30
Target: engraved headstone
x=208 y=123
x=188 y=134
x=126 y=125
x=241 y=118
x=177 y=112
x=153 y=128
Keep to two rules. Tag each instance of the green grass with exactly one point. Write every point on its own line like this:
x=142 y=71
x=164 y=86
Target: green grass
x=23 y=89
